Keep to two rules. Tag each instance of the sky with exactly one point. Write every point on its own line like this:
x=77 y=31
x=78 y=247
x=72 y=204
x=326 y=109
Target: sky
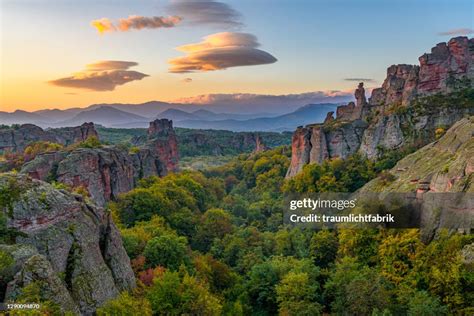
x=64 y=53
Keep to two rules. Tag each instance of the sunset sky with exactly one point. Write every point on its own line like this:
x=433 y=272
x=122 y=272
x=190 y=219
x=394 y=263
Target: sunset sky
x=62 y=54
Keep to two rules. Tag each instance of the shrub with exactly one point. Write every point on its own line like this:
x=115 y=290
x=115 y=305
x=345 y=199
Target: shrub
x=125 y=304
x=90 y=142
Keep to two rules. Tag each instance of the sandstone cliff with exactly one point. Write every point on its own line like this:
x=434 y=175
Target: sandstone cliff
x=107 y=171
x=446 y=165
x=15 y=139
x=71 y=249
x=413 y=102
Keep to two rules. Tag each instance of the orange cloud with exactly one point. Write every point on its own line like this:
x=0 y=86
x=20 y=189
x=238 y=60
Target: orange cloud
x=136 y=22
x=220 y=51
x=101 y=76
x=111 y=65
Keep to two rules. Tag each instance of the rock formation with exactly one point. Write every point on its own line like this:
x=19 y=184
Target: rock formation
x=69 y=247
x=16 y=139
x=71 y=135
x=397 y=114
x=359 y=95
x=108 y=171
x=162 y=147
x=329 y=117
x=104 y=172
x=399 y=87
x=446 y=165
x=446 y=63
x=259 y=144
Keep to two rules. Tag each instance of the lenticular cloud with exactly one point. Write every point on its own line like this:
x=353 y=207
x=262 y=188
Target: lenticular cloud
x=101 y=76
x=220 y=51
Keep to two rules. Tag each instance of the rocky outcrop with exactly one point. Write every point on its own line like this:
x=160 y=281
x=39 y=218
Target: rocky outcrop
x=107 y=171
x=300 y=148
x=345 y=139
x=359 y=95
x=103 y=172
x=399 y=87
x=444 y=166
x=71 y=135
x=329 y=117
x=446 y=63
x=17 y=138
x=404 y=111
x=69 y=247
x=259 y=144
x=439 y=71
x=162 y=147
x=338 y=137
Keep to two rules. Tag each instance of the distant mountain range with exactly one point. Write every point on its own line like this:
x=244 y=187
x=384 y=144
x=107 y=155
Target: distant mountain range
x=311 y=113
x=183 y=115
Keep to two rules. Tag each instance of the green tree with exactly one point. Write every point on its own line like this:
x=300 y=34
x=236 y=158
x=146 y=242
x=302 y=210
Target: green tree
x=356 y=289
x=323 y=247
x=296 y=295
x=423 y=304
x=175 y=295
x=168 y=250
x=125 y=304
x=215 y=223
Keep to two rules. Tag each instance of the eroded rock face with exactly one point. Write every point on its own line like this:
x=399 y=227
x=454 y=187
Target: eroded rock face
x=399 y=87
x=389 y=121
x=104 y=172
x=259 y=144
x=359 y=95
x=77 y=134
x=300 y=149
x=438 y=72
x=66 y=242
x=344 y=140
x=17 y=139
x=446 y=165
x=108 y=171
x=163 y=146
x=446 y=63
x=386 y=132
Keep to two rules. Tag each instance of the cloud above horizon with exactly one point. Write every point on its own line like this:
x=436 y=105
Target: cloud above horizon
x=135 y=22
x=104 y=75
x=220 y=51
x=359 y=79
x=460 y=31
x=213 y=13
x=269 y=100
